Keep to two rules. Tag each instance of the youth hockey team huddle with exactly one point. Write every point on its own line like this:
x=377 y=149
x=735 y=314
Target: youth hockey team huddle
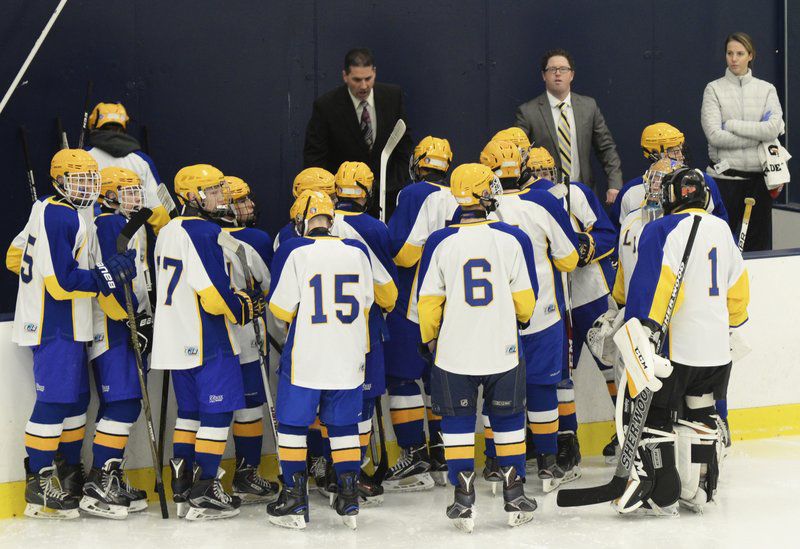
x=490 y=276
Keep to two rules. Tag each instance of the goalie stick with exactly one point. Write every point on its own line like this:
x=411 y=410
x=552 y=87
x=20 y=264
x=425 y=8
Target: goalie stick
x=134 y=223
x=577 y=497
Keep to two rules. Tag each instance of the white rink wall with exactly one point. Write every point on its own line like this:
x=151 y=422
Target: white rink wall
x=770 y=375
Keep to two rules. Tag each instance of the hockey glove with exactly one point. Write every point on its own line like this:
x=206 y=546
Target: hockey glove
x=118 y=270
x=144 y=332
x=600 y=336
x=523 y=325
x=426 y=354
x=585 y=249
x=253 y=305
x=642 y=365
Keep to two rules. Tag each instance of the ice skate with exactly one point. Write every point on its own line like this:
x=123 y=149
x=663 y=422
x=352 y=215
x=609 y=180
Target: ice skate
x=291 y=508
x=208 y=500
x=137 y=499
x=519 y=507
x=347 y=496
x=103 y=495
x=612 y=450
x=71 y=477
x=462 y=510
x=369 y=492
x=181 y=484
x=45 y=497
x=492 y=474
x=411 y=472
x=548 y=470
x=569 y=456
x=438 y=469
x=251 y=487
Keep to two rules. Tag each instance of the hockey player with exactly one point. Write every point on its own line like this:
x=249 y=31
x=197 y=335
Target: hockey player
x=195 y=312
x=542 y=168
x=310 y=179
x=422 y=207
x=589 y=288
x=354 y=183
x=111 y=145
x=322 y=287
x=53 y=316
x=555 y=245
x=248 y=423
x=714 y=295
x=519 y=138
x=661 y=140
x=106 y=492
x=477 y=282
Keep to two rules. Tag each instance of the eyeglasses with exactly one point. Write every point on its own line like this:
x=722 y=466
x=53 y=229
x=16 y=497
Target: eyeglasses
x=558 y=70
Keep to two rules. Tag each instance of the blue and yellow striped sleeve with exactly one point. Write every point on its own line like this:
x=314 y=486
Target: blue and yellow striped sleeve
x=68 y=281
x=430 y=288
x=563 y=240
x=405 y=252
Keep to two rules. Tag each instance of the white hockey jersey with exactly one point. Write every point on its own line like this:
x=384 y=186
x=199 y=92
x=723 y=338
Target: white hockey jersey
x=56 y=287
x=476 y=280
x=714 y=294
x=545 y=222
x=323 y=287
x=195 y=305
x=627 y=252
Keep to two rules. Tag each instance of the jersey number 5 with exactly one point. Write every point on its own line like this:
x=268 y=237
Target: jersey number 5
x=472 y=285
x=27 y=261
x=341 y=298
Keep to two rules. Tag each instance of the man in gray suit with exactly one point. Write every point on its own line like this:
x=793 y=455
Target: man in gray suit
x=570 y=125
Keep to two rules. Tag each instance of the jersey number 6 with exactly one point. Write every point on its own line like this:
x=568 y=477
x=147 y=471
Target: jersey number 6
x=472 y=284
x=341 y=298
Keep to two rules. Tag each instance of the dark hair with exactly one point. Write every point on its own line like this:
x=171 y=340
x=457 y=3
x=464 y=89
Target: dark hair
x=358 y=57
x=744 y=39
x=558 y=51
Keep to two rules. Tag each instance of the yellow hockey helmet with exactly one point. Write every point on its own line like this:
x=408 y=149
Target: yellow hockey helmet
x=75 y=176
x=514 y=134
x=313 y=179
x=237 y=187
x=503 y=158
x=472 y=184
x=121 y=188
x=309 y=205
x=542 y=164
x=431 y=153
x=108 y=113
x=198 y=179
x=244 y=208
x=354 y=180
x=655 y=175
x=658 y=138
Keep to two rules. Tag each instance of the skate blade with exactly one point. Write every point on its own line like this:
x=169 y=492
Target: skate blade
x=612 y=460
x=201 y=513
x=531 y=466
x=372 y=501
x=573 y=474
x=137 y=505
x=251 y=499
x=350 y=521
x=182 y=508
x=293 y=522
x=550 y=484
x=34 y=510
x=323 y=492
x=518 y=518
x=692 y=506
x=439 y=478
x=95 y=507
x=495 y=485
x=414 y=483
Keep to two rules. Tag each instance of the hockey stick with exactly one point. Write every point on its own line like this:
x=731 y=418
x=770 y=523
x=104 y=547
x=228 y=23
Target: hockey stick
x=134 y=224
x=748 y=209
x=63 y=142
x=230 y=243
x=23 y=135
x=32 y=54
x=394 y=138
x=85 y=121
x=641 y=406
x=568 y=297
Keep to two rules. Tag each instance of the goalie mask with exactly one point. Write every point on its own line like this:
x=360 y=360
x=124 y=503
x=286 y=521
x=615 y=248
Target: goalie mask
x=431 y=160
x=475 y=185
x=244 y=208
x=683 y=188
x=75 y=176
x=652 y=180
x=121 y=190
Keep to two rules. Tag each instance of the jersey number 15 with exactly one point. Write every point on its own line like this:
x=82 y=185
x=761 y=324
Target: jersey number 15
x=341 y=298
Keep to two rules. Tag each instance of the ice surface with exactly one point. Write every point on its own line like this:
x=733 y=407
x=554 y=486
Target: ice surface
x=758 y=506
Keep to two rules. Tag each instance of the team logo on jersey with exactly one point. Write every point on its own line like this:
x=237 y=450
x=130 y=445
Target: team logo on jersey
x=191 y=351
x=464 y=402
x=501 y=403
x=106 y=388
x=39 y=388
x=30 y=327
x=215 y=398
x=550 y=309
x=99 y=337
x=511 y=349
x=361 y=367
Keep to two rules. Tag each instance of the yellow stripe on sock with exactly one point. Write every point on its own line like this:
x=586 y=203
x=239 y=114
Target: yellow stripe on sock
x=292 y=454
x=544 y=428
x=45 y=444
x=252 y=429
x=346 y=454
x=459 y=452
x=505 y=450
x=73 y=435
x=184 y=437
x=110 y=441
x=566 y=408
x=407 y=415
x=215 y=447
x=363 y=439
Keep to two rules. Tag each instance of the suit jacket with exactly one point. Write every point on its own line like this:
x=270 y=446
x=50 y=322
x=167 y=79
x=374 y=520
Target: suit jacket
x=334 y=136
x=536 y=118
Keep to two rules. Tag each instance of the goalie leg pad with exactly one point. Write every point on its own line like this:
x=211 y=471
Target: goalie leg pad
x=699 y=449
x=654 y=484
x=642 y=366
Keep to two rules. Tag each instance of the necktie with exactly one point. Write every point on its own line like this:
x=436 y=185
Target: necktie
x=366 y=124
x=564 y=141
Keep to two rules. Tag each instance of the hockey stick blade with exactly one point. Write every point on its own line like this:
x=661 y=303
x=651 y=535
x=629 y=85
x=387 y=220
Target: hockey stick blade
x=136 y=221
x=166 y=200
x=578 y=497
x=394 y=138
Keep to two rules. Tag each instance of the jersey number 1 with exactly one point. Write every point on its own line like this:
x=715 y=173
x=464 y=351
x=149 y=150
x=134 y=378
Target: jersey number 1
x=713 y=290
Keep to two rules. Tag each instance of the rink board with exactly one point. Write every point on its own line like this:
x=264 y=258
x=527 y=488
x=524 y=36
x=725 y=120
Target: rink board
x=764 y=393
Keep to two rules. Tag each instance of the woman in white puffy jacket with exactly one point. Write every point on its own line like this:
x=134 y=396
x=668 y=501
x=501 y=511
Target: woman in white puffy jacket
x=740 y=112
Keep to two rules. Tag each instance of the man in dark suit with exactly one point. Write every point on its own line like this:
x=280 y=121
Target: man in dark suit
x=570 y=126
x=353 y=123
